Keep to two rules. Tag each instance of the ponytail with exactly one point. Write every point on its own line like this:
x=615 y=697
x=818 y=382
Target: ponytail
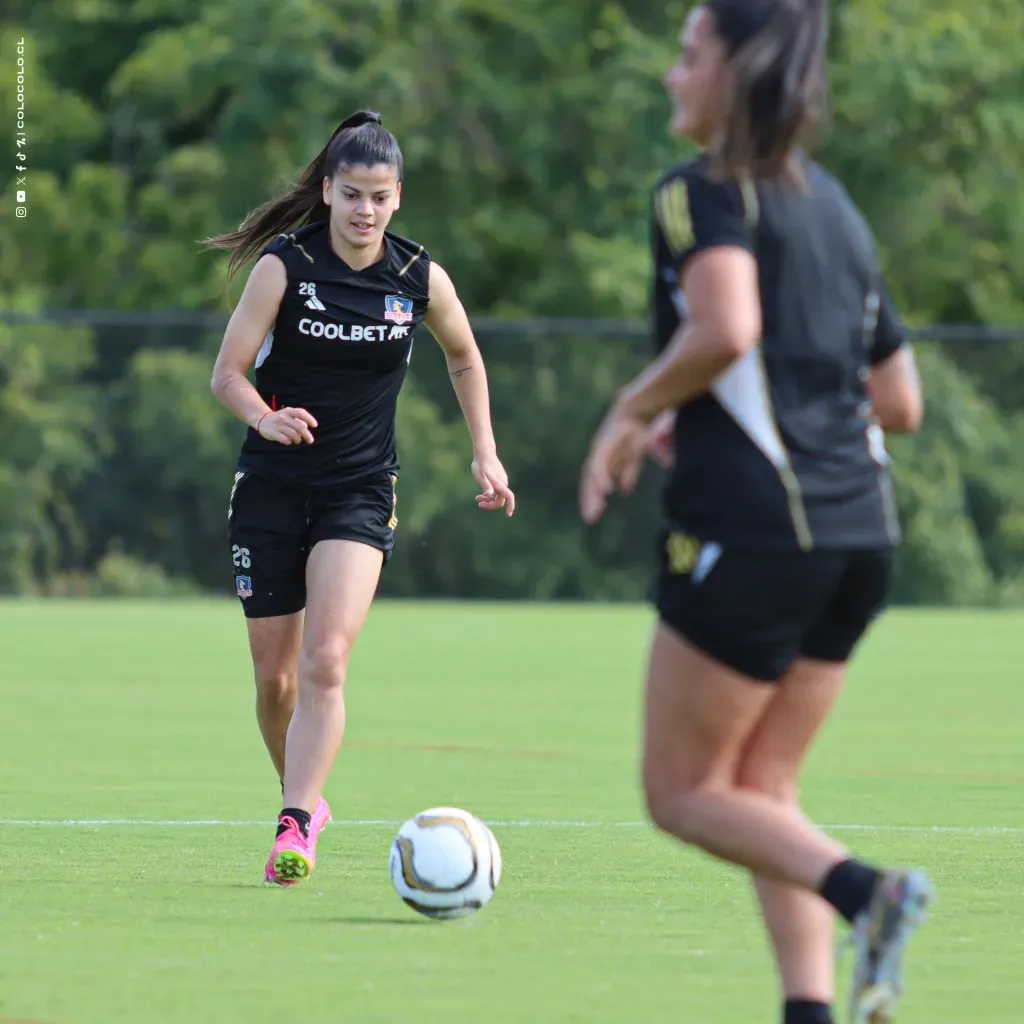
x=360 y=139
x=776 y=82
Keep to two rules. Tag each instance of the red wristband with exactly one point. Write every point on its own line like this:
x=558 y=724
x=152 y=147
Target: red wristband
x=260 y=420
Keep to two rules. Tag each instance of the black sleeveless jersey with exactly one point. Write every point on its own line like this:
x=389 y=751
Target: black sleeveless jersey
x=340 y=348
x=782 y=451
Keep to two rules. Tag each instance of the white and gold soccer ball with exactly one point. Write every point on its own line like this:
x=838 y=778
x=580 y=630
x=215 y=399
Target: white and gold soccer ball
x=445 y=862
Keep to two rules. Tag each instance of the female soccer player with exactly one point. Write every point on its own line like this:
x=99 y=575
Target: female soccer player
x=328 y=315
x=784 y=360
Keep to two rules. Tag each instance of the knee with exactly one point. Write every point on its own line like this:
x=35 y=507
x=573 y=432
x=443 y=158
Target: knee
x=276 y=686
x=662 y=807
x=674 y=807
x=323 y=666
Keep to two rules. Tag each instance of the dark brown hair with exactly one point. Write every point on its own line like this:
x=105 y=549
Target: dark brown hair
x=776 y=83
x=360 y=140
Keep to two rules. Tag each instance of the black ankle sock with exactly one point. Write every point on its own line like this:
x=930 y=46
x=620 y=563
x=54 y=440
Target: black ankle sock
x=804 y=1011
x=849 y=887
x=300 y=816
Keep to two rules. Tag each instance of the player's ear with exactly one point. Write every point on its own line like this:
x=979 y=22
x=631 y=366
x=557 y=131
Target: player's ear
x=398 y=196
x=326 y=189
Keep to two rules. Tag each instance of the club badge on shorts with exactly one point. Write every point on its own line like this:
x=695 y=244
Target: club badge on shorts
x=398 y=309
x=243 y=586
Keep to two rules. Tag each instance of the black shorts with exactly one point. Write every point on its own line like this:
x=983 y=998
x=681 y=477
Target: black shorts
x=273 y=525
x=758 y=611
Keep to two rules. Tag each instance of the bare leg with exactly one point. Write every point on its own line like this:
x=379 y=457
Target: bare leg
x=699 y=716
x=274 y=643
x=800 y=924
x=341 y=579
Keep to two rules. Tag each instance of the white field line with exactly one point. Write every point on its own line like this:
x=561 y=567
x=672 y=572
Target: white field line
x=394 y=823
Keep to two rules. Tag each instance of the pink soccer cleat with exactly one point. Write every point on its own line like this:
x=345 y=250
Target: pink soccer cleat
x=318 y=822
x=293 y=857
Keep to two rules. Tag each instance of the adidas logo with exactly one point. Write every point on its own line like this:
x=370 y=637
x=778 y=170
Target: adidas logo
x=314 y=303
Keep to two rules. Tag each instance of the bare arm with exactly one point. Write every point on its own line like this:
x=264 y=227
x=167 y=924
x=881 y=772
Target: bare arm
x=446 y=318
x=894 y=388
x=724 y=322
x=449 y=324
x=252 y=319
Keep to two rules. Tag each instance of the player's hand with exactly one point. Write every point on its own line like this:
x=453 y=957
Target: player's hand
x=491 y=476
x=614 y=463
x=288 y=426
x=660 y=442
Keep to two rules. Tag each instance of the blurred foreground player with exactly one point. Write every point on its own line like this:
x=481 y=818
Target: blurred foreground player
x=782 y=362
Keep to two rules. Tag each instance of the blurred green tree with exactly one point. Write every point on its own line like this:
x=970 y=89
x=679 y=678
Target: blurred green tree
x=532 y=133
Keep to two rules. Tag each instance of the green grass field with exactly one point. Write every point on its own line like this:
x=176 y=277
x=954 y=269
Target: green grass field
x=138 y=719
